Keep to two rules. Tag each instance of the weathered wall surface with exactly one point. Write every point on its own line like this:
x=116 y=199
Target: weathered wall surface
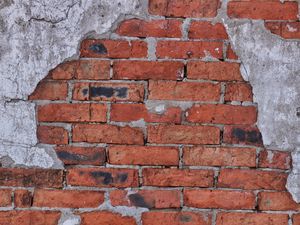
x=39 y=35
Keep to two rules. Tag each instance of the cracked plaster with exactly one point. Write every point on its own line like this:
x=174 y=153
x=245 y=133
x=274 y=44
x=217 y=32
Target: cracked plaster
x=38 y=35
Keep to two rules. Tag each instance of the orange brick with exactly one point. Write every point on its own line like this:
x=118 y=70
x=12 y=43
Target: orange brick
x=6 y=196
x=207 y=30
x=274 y=159
x=176 y=218
x=17 y=177
x=230 y=54
x=67 y=198
x=52 y=135
x=181 y=8
x=189 y=49
x=22 y=198
x=232 y=218
x=288 y=30
x=102 y=177
x=266 y=10
x=183 y=134
x=222 y=114
x=115 y=49
x=238 y=92
x=134 y=112
x=143 y=155
x=152 y=28
x=177 y=177
x=244 y=135
x=296 y=219
x=219 y=199
x=50 y=90
x=158 y=199
x=221 y=71
x=72 y=113
x=184 y=91
x=252 y=179
x=82 y=70
x=98 y=133
x=144 y=70
x=277 y=201
x=105 y=217
x=109 y=91
x=29 y=217
x=71 y=155
x=219 y=156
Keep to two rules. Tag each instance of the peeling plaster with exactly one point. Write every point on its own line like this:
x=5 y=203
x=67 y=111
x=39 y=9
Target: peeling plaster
x=38 y=35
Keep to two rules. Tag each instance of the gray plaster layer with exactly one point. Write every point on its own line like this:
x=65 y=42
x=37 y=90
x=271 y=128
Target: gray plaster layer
x=35 y=37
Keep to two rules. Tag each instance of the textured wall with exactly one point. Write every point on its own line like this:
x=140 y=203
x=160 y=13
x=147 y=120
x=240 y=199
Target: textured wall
x=148 y=95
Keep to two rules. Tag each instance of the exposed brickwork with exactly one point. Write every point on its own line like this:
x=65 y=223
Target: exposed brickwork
x=157 y=125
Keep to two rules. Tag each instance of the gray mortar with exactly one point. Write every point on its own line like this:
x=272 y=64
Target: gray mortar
x=38 y=35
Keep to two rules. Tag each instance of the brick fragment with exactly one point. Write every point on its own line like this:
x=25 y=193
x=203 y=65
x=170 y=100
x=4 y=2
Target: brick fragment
x=207 y=30
x=219 y=156
x=102 y=177
x=252 y=179
x=274 y=159
x=143 y=155
x=177 y=177
x=238 y=92
x=23 y=198
x=153 y=28
x=277 y=201
x=52 y=135
x=151 y=199
x=105 y=218
x=5 y=197
x=116 y=49
x=50 y=90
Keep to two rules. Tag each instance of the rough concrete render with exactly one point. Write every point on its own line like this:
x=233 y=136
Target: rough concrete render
x=150 y=112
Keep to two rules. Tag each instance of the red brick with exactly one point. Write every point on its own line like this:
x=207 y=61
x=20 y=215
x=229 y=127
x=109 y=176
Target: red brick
x=22 y=198
x=134 y=112
x=98 y=133
x=189 y=49
x=207 y=30
x=230 y=54
x=222 y=114
x=244 y=135
x=219 y=199
x=67 y=198
x=183 y=134
x=185 y=91
x=50 y=90
x=82 y=70
x=274 y=159
x=109 y=91
x=71 y=155
x=152 y=28
x=144 y=70
x=176 y=218
x=17 y=177
x=233 y=218
x=177 y=177
x=143 y=155
x=5 y=197
x=219 y=156
x=105 y=218
x=252 y=179
x=158 y=199
x=29 y=217
x=221 y=71
x=288 y=30
x=52 y=135
x=277 y=201
x=102 y=177
x=238 y=92
x=266 y=10
x=116 y=49
x=72 y=113
x=296 y=219
x=182 y=8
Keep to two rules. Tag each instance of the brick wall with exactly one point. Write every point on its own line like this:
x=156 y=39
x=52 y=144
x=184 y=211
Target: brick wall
x=159 y=118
